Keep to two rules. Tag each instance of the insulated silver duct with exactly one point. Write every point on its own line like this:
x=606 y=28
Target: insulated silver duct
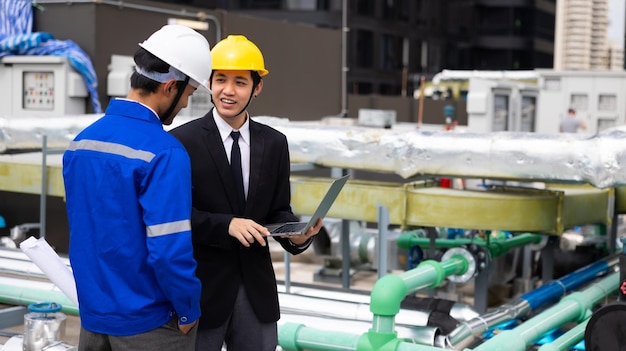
x=403 y=150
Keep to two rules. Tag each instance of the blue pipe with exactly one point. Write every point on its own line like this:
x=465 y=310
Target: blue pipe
x=467 y=331
x=556 y=289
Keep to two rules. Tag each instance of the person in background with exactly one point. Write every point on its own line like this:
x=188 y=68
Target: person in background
x=128 y=193
x=239 y=293
x=571 y=123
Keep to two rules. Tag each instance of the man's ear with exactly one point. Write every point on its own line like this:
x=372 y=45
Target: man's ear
x=258 y=88
x=169 y=87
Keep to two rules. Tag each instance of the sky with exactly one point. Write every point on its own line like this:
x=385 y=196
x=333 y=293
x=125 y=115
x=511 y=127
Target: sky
x=616 y=20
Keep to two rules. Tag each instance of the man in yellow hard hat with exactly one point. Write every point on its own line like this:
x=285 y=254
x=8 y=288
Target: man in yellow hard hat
x=240 y=178
x=128 y=196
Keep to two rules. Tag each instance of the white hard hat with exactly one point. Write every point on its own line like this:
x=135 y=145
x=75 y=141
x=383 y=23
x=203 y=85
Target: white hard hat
x=184 y=49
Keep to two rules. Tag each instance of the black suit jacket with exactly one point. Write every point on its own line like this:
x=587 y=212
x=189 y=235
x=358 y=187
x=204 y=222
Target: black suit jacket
x=223 y=263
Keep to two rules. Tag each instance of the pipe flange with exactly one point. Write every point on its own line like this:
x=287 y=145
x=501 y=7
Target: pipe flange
x=481 y=256
x=471 y=264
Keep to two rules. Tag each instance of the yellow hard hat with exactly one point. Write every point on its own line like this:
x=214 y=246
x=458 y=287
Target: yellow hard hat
x=237 y=53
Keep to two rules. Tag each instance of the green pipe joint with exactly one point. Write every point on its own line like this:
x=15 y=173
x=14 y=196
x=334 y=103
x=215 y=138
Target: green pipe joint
x=374 y=341
x=387 y=294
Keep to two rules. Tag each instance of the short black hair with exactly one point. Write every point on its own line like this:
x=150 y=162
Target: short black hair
x=256 y=79
x=144 y=59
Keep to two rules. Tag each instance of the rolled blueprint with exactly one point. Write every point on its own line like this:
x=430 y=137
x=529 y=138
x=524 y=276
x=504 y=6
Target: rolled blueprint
x=40 y=252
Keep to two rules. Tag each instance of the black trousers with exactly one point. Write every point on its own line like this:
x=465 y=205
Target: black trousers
x=241 y=332
x=164 y=338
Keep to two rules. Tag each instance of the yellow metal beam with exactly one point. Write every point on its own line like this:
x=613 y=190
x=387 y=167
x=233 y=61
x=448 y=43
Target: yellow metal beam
x=547 y=211
x=358 y=200
x=22 y=174
x=550 y=211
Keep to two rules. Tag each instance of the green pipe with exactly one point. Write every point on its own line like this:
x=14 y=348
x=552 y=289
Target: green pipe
x=496 y=247
x=566 y=341
x=297 y=337
x=390 y=290
x=386 y=296
x=408 y=240
x=572 y=308
x=500 y=247
x=21 y=294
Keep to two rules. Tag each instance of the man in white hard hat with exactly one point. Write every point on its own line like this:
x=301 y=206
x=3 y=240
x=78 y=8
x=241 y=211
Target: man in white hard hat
x=128 y=194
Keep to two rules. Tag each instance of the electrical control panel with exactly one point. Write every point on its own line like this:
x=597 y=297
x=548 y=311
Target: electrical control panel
x=40 y=86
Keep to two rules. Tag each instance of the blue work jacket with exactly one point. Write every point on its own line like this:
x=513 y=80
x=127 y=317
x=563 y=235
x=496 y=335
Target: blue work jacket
x=128 y=194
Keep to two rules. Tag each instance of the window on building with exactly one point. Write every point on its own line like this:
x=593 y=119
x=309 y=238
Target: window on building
x=396 y=10
x=389 y=89
x=261 y=4
x=366 y=7
x=607 y=102
x=500 y=113
x=528 y=113
x=495 y=21
x=364 y=55
x=361 y=88
x=391 y=53
x=606 y=123
x=579 y=101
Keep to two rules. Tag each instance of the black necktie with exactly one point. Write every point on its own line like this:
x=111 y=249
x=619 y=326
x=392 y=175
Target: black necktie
x=235 y=164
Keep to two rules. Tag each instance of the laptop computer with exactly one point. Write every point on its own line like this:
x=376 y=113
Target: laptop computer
x=295 y=228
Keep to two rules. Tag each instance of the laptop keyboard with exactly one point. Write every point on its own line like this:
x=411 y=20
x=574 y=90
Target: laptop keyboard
x=289 y=228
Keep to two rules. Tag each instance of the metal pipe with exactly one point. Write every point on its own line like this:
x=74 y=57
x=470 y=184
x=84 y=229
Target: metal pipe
x=407 y=316
x=16 y=254
x=44 y=187
x=324 y=307
x=575 y=307
x=466 y=332
x=17 y=262
x=344 y=58
x=381 y=245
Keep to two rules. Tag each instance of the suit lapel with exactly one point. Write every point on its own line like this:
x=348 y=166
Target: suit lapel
x=215 y=148
x=257 y=149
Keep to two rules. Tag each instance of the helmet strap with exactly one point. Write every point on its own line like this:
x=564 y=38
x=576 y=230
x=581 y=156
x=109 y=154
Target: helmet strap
x=180 y=86
x=254 y=85
x=248 y=104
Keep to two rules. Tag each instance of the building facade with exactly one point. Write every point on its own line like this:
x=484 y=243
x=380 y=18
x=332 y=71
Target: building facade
x=581 y=41
x=390 y=45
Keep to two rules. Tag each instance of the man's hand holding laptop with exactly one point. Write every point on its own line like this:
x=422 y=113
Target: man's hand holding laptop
x=301 y=239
